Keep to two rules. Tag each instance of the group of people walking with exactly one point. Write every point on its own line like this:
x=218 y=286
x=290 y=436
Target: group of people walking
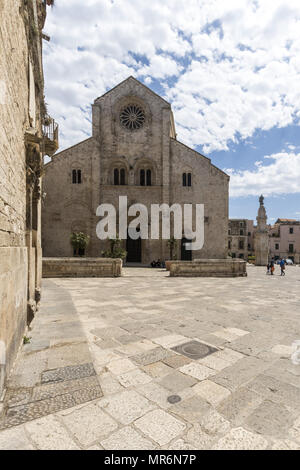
x=271 y=267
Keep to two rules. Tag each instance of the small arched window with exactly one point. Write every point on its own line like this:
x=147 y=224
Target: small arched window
x=119 y=176
x=145 y=177
x=122 y=177
x=116 y=177
x=76 y=176
x=187 y=179
x=148 y=180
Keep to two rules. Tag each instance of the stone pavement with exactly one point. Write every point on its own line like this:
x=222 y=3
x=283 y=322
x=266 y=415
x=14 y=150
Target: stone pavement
x=152 y=362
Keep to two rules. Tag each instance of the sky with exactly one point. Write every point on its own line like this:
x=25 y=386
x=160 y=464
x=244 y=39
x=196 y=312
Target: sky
x=230 y=69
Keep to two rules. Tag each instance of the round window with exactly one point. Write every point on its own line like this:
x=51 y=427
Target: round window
x=132 y=117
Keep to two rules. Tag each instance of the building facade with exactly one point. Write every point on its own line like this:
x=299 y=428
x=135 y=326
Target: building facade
x=284 y=240
x=240 y=238
x=23 y=142
x=133 y=152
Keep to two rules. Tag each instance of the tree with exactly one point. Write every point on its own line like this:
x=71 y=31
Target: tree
x=116 y=250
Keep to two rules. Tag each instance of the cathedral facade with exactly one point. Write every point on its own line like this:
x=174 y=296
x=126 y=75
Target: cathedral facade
x=133 y=152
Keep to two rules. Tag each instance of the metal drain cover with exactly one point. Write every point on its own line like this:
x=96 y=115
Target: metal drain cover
x=194 y=350
x=174 y=399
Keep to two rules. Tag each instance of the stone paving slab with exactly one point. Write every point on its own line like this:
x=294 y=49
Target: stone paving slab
x=160 y=426
x=271 y=419
x=112 y=381
x=241 y=439
x=149 y=357
x=89 y=424
x=239 y=405
x=48 y=433
x=126 y=406
x=127 y=439
x=176 y=381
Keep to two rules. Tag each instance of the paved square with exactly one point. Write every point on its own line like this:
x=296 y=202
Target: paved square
x=105 y=359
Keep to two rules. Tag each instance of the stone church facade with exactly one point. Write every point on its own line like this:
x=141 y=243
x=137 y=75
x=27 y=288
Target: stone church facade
x=25 y=136
x=133 y=152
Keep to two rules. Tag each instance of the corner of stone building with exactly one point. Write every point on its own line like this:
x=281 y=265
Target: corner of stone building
x=2 y=369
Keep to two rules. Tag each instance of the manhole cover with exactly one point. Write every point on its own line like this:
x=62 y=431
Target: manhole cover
x=174 y=399
x=194 y=350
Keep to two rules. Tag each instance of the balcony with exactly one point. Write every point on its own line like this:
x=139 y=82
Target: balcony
x=50 y=136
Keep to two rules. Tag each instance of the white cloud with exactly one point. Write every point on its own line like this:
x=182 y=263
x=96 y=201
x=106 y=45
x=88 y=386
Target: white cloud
x=279 y=176
x=235 y=65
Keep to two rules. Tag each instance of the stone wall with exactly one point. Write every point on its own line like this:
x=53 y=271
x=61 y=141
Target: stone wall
x=68 y=207
x=209 y=187
x=13 y=295
x=21 y=100
x=14 y=119
x=81 y=267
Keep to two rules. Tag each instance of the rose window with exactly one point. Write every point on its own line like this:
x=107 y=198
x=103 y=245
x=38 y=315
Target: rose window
x=132 y=117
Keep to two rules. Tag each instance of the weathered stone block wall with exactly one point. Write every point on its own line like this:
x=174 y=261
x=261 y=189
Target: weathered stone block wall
x=208 y=268
x=209 y=187
x=13 y=305
x=14 y=119
x=69 y=207
x=21 y=96
x=116 y=142
x=82 y=267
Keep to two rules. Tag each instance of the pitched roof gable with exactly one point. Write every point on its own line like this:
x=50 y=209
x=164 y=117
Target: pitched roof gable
x=131 y=78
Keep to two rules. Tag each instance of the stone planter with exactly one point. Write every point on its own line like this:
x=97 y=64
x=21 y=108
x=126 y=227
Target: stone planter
x=82 y=267
x=168 y=264
x=209 y=268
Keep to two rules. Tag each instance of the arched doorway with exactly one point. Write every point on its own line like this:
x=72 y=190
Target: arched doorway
x=134 y=250
x=186 y=255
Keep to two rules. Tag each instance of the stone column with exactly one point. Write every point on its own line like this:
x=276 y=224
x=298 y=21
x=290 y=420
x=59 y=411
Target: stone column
x=261 y=241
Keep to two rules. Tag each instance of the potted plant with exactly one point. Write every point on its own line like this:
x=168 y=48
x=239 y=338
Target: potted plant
x=116 y=250
x=172 y=244
x=79 y=242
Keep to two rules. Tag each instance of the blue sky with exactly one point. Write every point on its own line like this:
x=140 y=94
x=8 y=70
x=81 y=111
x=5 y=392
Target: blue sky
x=231 y=71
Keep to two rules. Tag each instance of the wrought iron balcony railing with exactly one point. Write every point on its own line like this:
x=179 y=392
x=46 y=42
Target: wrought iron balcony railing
x=50 y=134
